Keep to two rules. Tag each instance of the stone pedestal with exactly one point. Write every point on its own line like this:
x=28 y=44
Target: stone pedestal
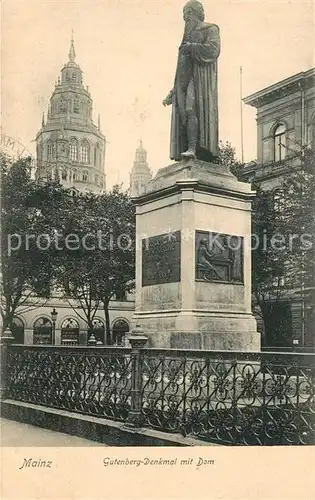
x=175 y=306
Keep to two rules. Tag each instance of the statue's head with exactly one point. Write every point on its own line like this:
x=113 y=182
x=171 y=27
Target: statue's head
x=193 y=11
x=203 y=242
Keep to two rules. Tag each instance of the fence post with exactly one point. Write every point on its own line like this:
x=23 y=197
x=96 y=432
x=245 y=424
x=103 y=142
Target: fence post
x=137 y=340
x=6 y=339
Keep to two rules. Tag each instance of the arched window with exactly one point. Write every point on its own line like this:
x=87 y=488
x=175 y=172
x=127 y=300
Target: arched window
x=70 y=332
x=99 y=330
x=120 y=294
x=64 y=175
x=85 y=176
x=279 y=142
x=50 y=150
x=62 y=106
x=42 y=331
x=17 y=329
x=74 y=76
x=97 y=155
x=73 y=150
x=74 y=175
x=120 y=328
x=85 y=152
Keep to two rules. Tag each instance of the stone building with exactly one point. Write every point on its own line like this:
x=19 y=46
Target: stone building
x=69 y=146
x=285 y=124
x=140 y=174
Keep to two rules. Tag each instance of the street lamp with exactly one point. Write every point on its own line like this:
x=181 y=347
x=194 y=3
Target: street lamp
x=53 y=315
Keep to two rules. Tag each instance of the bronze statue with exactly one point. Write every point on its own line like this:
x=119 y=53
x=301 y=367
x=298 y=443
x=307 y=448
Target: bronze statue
x=194 y=97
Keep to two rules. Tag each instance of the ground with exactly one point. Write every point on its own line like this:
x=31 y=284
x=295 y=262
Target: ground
x=16 y=434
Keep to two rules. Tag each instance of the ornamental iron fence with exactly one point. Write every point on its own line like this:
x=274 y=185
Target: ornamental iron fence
x=226 y=397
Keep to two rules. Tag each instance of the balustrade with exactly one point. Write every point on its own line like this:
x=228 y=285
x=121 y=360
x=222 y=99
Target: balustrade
x=218 y=396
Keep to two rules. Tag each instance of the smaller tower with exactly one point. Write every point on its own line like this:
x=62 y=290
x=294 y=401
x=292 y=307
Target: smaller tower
x=140 y=175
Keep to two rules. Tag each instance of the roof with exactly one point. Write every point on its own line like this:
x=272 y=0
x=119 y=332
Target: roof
x=281 y=89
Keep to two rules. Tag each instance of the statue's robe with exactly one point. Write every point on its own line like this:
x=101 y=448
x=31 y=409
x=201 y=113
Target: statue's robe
x=203 y=52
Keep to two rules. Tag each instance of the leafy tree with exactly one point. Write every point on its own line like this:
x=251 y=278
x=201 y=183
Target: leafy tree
x=115 y=273
x=102 y=262
x=29 y=217
x=227 y=156
x=283 y=222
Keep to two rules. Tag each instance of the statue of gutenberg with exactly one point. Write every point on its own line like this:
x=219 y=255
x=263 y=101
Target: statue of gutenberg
x=194 y=97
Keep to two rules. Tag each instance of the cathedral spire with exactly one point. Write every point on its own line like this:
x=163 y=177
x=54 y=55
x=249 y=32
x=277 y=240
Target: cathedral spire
x=72 y=54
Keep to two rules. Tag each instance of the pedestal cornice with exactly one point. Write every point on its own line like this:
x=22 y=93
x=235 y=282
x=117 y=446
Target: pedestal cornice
x=198 y=176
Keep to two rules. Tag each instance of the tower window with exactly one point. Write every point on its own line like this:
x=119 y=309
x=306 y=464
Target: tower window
x=73 y=151
x=63 y=107
x=97 y=155
x=50 y=151
x=76 y=106
x=74 y=76
x=279 y=143
x=85 y=152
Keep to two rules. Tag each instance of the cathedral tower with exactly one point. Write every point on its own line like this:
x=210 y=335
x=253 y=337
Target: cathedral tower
x=140 y=174
x=69 y=146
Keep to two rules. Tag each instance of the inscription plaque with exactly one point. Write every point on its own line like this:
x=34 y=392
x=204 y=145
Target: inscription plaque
x=161 y=259
x=219 y=257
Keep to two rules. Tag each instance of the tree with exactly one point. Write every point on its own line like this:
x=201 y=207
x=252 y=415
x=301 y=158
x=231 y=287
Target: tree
x=29 y=216
x=227 y=156
x=283 y=222
x=102 y=262
x=115 y=273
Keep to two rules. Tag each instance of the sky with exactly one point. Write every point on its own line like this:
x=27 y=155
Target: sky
x=127 y=50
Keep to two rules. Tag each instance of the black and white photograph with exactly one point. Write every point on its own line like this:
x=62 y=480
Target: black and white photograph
x=157 y=236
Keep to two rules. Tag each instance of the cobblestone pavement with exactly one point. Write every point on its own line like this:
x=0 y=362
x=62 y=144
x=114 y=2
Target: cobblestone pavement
x=16 y=434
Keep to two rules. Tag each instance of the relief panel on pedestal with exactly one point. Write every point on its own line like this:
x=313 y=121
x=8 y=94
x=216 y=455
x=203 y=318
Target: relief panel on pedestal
x=161 y=259
x=219 y=257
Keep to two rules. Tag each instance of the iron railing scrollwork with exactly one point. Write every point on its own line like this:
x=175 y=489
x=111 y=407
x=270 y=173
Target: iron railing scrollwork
x=231 y=398
x=223 y=397
x=94 y=382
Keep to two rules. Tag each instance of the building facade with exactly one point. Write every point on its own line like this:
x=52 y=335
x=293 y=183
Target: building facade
x=140 y=174
x=69 y=146
x=285 y=125
x=36 y=325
